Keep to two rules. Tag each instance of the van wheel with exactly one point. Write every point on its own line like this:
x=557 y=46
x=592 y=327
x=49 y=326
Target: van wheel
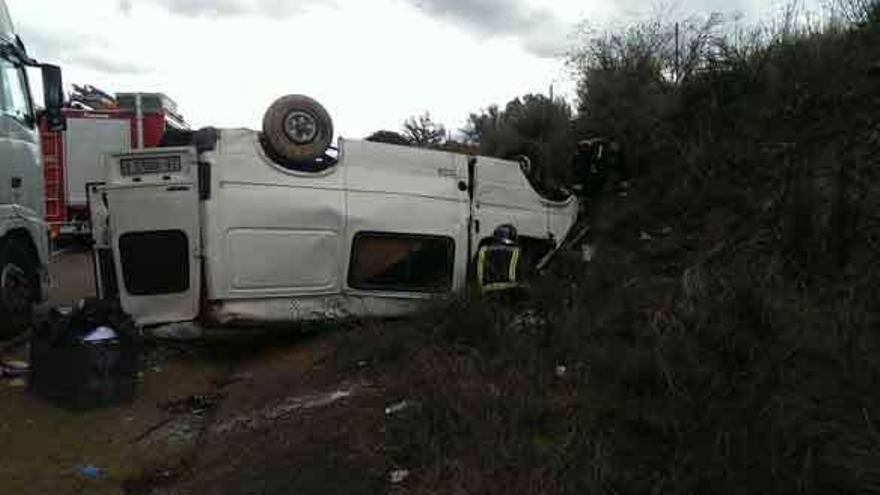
x=19 y=288
x=297 y=128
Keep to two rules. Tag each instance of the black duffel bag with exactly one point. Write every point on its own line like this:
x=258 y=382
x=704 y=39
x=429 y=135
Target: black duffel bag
x=85 y=357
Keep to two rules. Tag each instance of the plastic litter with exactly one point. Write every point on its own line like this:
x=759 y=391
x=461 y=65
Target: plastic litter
x=14 y=369
x=18 y=365
x=398 y=407
x=398 y=475
x=561 y=370
x=100 y=334
x=644 y=236
x=588 y=252
x=90 y=471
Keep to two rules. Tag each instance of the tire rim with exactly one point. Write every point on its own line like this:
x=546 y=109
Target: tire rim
x=301 y=127
x=15 y=289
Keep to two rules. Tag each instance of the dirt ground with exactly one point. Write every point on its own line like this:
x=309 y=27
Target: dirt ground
x=248 y=413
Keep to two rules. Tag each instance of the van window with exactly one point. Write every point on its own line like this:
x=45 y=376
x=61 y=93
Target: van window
x=402 y=262
x=13 y=93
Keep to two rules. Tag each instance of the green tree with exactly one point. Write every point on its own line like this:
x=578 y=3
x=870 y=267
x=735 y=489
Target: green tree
x=531 y=125
x=389 y=137
x=423 y=132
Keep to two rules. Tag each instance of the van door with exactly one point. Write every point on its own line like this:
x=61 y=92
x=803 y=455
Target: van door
x=153 y=203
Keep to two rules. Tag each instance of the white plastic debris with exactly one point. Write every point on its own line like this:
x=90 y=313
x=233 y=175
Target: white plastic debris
x=644 y=236
x=269 y=415
x=100 y=334
x=398 y=475
x=398 y=407
x=588 y=252
x=561 y=370
x=185 y=331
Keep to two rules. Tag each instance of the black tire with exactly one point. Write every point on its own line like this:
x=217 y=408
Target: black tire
x=297 y=129
x=19 y=288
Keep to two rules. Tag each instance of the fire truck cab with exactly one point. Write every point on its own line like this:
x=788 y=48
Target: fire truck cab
x=244 y=227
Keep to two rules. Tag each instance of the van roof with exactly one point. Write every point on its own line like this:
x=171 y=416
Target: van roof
x=7 y=32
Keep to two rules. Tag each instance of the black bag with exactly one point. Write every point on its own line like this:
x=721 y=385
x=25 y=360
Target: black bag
x=75 y=373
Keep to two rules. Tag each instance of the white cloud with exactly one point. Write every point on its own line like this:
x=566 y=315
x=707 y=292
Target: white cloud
x=542 y=32
x=372 y=63
x=215 y=8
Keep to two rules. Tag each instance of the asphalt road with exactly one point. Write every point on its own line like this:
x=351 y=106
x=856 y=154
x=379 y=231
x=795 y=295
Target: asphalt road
x=71 y=275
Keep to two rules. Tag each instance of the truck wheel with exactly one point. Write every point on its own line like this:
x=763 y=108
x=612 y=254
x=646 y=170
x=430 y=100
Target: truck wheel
x=19 y=288
x=297 y=128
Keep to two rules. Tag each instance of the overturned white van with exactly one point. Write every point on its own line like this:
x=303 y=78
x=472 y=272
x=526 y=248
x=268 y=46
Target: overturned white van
x=242 y=227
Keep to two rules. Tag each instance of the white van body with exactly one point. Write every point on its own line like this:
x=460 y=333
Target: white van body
x=229 y=237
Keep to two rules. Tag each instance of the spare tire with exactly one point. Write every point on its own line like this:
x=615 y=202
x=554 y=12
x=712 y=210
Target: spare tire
x=297 y=129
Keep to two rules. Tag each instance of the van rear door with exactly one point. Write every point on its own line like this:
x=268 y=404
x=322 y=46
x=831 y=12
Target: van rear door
x=153 y=202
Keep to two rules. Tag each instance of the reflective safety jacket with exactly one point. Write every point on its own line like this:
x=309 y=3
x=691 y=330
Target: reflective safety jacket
x=499 y=268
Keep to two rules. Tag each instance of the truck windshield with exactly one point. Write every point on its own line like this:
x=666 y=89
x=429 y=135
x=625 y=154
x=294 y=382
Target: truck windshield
x=13 y=93
x=6 y=31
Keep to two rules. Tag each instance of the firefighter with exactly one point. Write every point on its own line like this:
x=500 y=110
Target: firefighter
x=499 y=263
x=594 y=160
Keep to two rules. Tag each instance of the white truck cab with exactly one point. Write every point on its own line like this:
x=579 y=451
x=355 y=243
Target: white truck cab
x=23 y=234
x=235 y=231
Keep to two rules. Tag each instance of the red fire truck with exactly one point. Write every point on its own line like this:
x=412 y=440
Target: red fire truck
x=73 y=158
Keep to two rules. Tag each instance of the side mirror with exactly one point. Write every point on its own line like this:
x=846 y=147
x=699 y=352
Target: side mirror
x=53 y=97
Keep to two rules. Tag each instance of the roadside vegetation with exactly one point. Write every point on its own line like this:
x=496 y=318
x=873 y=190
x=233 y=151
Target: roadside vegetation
x=724 y=339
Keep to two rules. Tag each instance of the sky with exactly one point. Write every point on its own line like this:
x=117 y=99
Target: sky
x=371 y=63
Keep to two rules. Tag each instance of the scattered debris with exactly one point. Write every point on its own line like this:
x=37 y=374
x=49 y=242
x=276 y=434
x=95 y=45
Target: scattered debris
x=100 y=334
x=149 y=431
x=527 y=320
x=194 y=404
x=644 y=236
x=588 y=252
x=398 y=407
x=273 y=413
x=398 y=475
x=14 y=369
x=185 y=331
x=561 y=370
x=90 y=471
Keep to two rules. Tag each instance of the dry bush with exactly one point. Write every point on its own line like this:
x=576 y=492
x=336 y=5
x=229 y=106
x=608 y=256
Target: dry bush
x=735 y=351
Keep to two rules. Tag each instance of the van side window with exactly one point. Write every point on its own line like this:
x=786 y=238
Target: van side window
x=14 y=98
x=401 y=262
